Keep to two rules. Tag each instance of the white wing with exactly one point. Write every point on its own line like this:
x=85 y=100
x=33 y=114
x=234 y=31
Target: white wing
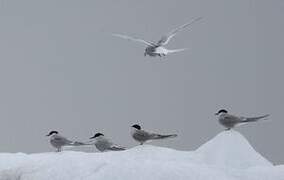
x=135 y=39
x=162 y=50
x=175 y=50
x=166 y=38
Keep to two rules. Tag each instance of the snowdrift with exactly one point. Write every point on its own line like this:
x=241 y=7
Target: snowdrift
x=228 y=156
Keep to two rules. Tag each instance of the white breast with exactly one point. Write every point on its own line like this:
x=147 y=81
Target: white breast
x=161 y=50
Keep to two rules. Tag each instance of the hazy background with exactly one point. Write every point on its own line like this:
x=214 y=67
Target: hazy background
x=60 y=69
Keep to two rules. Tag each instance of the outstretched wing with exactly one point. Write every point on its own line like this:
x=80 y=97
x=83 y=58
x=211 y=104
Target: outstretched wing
x=166 y=38
x=135 y=39
x=175 y=50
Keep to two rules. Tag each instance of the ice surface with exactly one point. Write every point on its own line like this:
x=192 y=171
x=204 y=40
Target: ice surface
x=231 y=149
x=228 y=156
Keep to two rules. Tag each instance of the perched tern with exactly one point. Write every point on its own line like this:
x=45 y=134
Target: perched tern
x=58 y=141
x=104 y=144
x=143 y=136
x=230 y=121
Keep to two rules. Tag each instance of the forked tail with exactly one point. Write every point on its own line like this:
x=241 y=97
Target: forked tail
x=254 y=119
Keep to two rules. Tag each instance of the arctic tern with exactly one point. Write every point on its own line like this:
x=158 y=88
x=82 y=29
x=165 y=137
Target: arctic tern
x=58 y=141
x=143 y=136
x=154 y=49
x=104 y=144
x=230 y=121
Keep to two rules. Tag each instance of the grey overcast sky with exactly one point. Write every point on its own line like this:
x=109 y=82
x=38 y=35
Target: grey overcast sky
x=60 y=69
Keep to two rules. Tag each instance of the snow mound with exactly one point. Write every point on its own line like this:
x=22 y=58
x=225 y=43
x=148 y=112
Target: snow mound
x=228 y=156
x=231 y=149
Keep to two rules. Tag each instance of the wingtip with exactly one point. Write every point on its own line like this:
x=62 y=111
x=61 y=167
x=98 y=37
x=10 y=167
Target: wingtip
x=266 y=116
x=173 y=135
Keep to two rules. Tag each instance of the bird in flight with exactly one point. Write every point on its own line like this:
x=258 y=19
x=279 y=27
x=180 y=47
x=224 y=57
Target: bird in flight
x=154 y=49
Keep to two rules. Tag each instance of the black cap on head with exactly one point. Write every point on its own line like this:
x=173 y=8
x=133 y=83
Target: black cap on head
x=221 y=111
x=97 y=135
x=52 y=132
x=136 y=126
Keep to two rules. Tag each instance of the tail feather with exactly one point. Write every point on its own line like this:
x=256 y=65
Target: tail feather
x=117 y=148
x=77 y=143
x=158 y=136
x=254 y=119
